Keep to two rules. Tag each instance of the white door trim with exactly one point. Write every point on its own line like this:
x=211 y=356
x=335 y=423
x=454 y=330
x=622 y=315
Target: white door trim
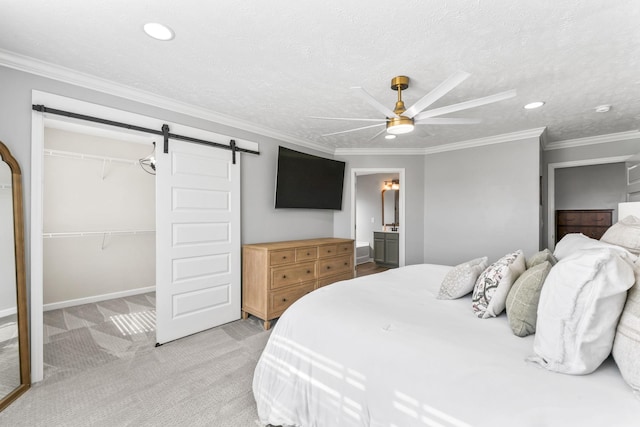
x=36 y=218
x=401 y=203
x=551 y=188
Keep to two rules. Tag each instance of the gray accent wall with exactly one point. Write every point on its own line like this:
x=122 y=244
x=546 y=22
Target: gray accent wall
x=482 y=201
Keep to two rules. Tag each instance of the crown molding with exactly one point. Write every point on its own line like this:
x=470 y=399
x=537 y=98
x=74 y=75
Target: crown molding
x=87 y=81
x=497 y=139
x=591 y=140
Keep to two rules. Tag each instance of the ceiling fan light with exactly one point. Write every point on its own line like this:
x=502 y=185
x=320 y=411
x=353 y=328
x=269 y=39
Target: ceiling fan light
x=399 y=125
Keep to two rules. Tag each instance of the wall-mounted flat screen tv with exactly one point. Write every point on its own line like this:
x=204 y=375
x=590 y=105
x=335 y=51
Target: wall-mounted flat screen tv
x=308 y=182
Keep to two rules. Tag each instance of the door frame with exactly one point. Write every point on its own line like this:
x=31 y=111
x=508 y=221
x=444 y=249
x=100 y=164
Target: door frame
x=551 y=188
x=36 y=259
x=401 y=204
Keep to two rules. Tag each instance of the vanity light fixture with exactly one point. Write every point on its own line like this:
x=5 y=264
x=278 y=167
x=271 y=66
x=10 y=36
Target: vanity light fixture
x=394 y=184
x=532 y=105
x=159 y=31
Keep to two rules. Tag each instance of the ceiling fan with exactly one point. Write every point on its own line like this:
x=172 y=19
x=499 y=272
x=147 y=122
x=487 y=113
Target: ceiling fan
x=402 y=120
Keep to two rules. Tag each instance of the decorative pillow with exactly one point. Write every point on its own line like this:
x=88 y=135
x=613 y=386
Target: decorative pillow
x=540 y=257
x=580 y=304
x=625 y=233
x=523 y=298
x=460 y=280
x=626 y=345
x=571 y=243
x=491 y=288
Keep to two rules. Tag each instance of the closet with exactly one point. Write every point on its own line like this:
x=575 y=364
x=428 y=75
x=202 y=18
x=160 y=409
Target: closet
x=99 y=218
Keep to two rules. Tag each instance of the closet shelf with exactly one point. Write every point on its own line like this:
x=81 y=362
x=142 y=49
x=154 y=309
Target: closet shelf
x=82 y=156
x=96 y=233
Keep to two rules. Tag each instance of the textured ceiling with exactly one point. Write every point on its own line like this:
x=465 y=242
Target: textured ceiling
x=275 y=63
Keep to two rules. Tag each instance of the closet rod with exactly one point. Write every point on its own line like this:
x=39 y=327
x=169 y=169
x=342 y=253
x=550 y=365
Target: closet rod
x=82 y=156
x=164 y=132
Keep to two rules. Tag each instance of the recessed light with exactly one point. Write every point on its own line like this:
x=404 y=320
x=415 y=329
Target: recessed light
x=159 y=31
x=389 y=136
x=532 y=105
x=603 y=108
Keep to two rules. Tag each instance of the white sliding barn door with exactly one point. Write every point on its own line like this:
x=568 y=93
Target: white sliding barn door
x=197 y=239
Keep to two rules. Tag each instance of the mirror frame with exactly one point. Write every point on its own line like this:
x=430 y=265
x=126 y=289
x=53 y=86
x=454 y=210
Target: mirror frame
x=21 y=285
x=396 y=199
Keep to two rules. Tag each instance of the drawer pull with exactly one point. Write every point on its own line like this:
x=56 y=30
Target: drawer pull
x=308 y=271
x=308 y=254
x=328 y=267
x=599 y=219
x=284 y=257
x=346 y=263
x=284 y=300
x=329 y=251
x=284 y=276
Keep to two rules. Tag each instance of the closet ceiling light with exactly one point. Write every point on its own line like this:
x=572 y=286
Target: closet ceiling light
x=159 y=31
x=532 y=105
x=389 y=136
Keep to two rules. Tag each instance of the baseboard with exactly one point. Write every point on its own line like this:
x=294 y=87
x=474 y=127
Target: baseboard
x=358 y=261
x=8 y=312
x=96 y=298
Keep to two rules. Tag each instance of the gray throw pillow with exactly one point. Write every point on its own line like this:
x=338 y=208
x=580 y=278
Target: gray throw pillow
x=523 y=299
x=540 y=257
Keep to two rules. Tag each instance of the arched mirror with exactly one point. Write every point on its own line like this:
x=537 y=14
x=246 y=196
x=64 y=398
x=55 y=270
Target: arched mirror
x=14 y=343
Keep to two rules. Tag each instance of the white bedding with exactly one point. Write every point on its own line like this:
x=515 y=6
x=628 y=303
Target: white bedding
x=381 y=350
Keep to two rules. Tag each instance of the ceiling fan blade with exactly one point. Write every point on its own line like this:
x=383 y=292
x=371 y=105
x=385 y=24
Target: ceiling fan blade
x=436 y=93
x=347 y=118
x=353 y=130
x=377 y=134
x=467 y=104
x=446 y=121
x=374 y=102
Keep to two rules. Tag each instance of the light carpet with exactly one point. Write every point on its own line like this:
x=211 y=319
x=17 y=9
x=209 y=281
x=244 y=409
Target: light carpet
x=97 y=376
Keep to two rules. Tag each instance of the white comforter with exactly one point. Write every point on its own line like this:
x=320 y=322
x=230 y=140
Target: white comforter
x=381 y=350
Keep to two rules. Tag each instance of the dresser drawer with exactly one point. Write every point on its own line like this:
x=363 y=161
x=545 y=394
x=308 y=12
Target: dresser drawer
x=570 y=218
x=332 y=266
x=328 y=250
x=289 y=275
x=345 y=248
x=304 y=254
x=281 y=300
x=596 y=218
x=333 y=279
x=282 y=257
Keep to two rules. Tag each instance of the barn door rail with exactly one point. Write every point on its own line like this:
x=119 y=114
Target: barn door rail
x=164 y=132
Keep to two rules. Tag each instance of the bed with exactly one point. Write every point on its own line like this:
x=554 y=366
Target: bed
x=382 y=350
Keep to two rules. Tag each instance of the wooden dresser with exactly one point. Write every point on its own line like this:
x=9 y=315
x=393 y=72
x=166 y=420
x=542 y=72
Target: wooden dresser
x=275 y=275
x=590 y=222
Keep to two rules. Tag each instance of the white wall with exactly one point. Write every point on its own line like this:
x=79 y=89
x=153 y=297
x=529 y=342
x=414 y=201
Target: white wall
x=78 y=198
x=8 y=298
x=482 y=201
x=591 y=187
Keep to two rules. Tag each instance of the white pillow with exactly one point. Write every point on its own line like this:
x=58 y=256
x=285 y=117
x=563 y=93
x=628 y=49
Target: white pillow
x=626 y=345
x=580 y=304
x=459 y=281
x=492 y=287
x=625 y=233
x=573 y=242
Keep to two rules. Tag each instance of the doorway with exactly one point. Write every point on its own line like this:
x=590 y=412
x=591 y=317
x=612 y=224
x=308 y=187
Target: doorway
x=39 y=122
x=374 y=211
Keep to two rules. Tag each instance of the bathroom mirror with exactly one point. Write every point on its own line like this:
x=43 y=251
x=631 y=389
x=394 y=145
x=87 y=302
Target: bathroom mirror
x=14 y=343
x=390 y=200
